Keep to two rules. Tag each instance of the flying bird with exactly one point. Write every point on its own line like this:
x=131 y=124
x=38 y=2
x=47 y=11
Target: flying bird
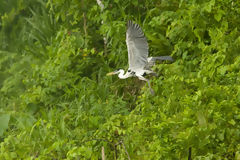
x=139 y=62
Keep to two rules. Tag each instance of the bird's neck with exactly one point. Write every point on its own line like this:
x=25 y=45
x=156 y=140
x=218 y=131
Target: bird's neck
x=121 y=74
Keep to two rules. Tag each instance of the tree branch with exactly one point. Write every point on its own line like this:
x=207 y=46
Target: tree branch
x=99 y=2
x=125 y=150
x=103 y=155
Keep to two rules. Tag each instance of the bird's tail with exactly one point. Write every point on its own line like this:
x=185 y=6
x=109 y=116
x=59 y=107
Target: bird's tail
x=152 y=60
x=162 y=58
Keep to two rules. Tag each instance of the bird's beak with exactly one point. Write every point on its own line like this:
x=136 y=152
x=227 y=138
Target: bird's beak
x=111 y=73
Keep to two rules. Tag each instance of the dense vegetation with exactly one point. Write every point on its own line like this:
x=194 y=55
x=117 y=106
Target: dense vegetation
x=57 y=103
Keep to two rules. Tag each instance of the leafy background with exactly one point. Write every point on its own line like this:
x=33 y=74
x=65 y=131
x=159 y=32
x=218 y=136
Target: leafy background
x=57 y=103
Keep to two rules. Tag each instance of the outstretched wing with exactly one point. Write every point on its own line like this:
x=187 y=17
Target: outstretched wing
x=137 y=46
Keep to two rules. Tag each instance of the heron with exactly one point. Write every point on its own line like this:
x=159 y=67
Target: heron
x=139 y=62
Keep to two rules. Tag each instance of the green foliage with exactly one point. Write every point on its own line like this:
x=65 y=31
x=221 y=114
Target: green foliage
x=57 y=103
x=4 y=123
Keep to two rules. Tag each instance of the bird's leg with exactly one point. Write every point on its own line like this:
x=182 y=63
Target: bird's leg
x=151 y=90
x=149 y=85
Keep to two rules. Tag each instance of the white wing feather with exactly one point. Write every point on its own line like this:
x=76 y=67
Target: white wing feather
x=137 y=46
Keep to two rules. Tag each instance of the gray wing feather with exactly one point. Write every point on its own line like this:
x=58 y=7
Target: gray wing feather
x=137 y=46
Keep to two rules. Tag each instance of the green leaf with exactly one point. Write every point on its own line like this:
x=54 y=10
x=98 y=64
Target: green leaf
x=209 y=5
x=4 y=120
x=232 y=122
x=219 y=14
x=201 y=119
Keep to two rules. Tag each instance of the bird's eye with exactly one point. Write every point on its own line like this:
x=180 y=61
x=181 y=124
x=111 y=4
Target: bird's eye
x=129 y=70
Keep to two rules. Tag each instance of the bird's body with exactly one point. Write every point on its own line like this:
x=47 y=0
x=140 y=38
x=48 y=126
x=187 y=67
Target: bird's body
x=139 y=62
